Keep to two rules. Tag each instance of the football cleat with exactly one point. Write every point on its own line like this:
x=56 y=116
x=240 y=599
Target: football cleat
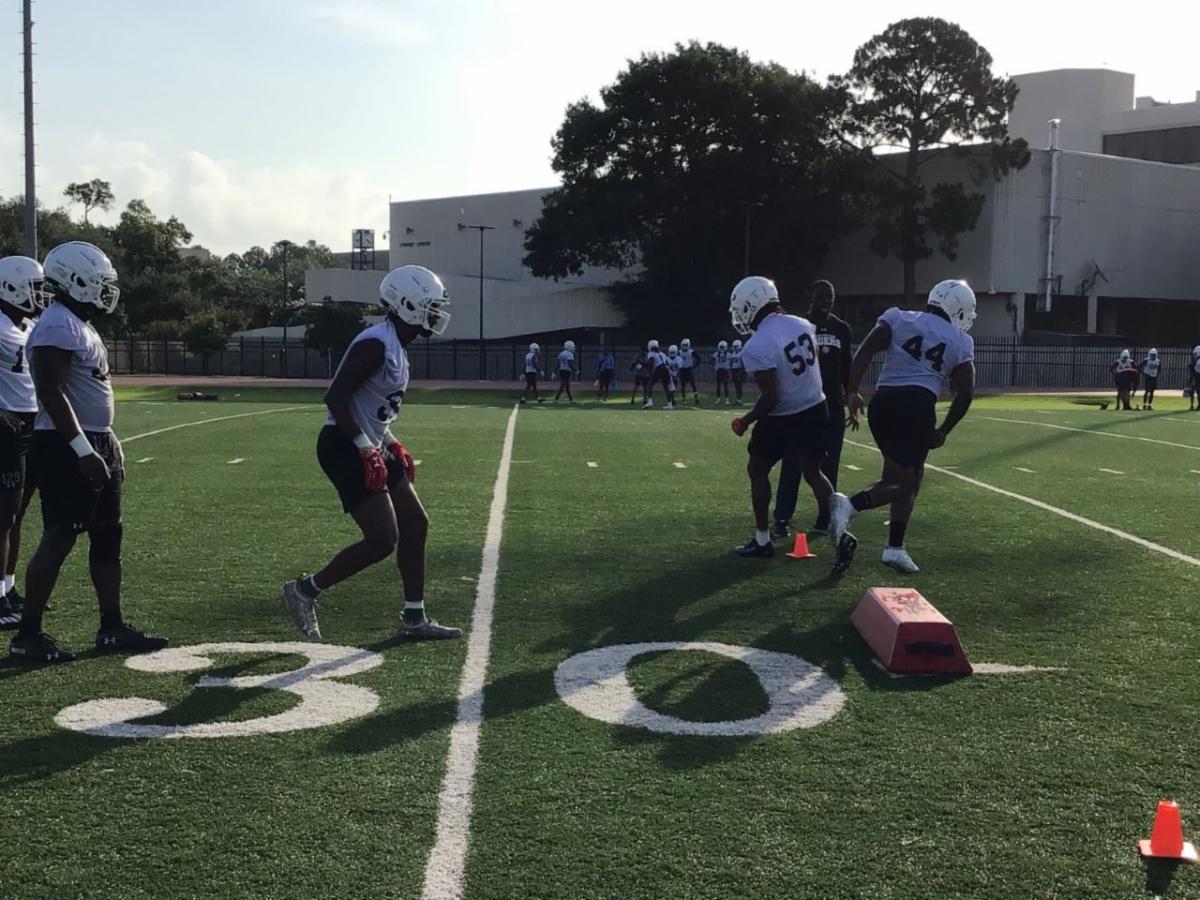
x=10 y=618
x=303 y=609
x=897 y=558
x=427 y=630
x=127 y=639
x=16 y=600
x=648 y=404
x=845 y=554
x=40 y=648
x=841 y=511
x=752 y=549
x=779 y=530
x=669 y=406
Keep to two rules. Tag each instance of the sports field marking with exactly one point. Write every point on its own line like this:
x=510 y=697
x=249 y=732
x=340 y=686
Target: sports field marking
x=1112 y=471
x=853 y=468
x=1066 y=514
x=1025 y=470
x=261 y=412
x=592 y=465
x=416 y=462
x=444 y=871
x=1123 y=437
x=1194 y=471
x=234 y=462
x=983 y=668
x=680 y=465
x=146 y=459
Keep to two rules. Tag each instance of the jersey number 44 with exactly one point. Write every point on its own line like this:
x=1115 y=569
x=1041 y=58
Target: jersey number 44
x=935 y=354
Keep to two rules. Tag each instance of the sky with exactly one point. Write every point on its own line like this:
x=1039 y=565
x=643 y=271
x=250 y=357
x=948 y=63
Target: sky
x=258 y=120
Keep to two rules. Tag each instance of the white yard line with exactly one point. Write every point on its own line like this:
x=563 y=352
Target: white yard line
x=680 y=465
x=447 y=860
x=1112 y=471
x=1066 y=514
x=592 y=465
x=261 y=412
x=853 y=468
x=1111 y=434
x=1025 y=470
x=146 y=459
x=238 y=461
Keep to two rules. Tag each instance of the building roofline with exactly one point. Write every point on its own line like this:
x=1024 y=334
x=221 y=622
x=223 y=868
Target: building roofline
x=545 y=190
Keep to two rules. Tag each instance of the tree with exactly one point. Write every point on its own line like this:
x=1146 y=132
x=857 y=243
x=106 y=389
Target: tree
x=94 y=194
x=333 y=326
x=205 y=334
x=659 y=179
x=926 y=87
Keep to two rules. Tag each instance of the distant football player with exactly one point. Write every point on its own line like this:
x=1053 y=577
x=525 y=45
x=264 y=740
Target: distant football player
x=1193 y=378
x=369 y=468
x=687 y=371
x=923 y=351
x=641 y=377
x=21 y=300
x=1125 y=374
x=721 y=364
x=606 y=371
x=566 y=370
x=675 y=366
x=790 y=416
x=533 y=368
x=660 y=373
x=1149 y=368
x=737 y=370
x=833 y=343
x=79 y=462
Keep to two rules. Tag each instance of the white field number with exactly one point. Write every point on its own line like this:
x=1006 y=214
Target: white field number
x=324 y=700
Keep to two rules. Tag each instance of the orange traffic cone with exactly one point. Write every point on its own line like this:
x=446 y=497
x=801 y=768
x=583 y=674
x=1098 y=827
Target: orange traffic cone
x=1166 y=840
x=800 y=550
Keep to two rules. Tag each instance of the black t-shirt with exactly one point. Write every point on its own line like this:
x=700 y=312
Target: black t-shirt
x=834 y=338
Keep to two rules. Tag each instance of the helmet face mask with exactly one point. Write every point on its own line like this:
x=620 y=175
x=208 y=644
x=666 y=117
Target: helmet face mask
x=722 y=346
x=685 y=344
x=534 y=348
x=416 y=296
x=83 y=273
x=956 y=299
x=569 y=345
x=737 y=345
x=22 y=284
x=750 y=296
x=651 y=346
x=673 y=350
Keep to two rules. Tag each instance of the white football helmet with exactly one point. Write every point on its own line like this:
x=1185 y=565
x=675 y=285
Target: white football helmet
x=534 y=348
x=1124 y=356
x=569 y=345
x=1196 y=350
x=685 y=344
x=673 y=350
x=722 y=346
x=1153 y=354
x=651 y=346
x=749 y=297
x=956 y=299
x=21 y=283
x=737 y=345
x=82 y=272
x=417 y=297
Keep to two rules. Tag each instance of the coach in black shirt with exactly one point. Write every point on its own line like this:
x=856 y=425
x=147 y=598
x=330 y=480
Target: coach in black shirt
x=834 y=339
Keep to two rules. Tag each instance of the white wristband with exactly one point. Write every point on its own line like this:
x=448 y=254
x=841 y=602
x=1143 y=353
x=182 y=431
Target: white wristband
x=362 y=442
x=81 y=446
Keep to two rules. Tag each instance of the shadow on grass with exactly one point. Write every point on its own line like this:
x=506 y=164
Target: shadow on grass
x=1159 y=875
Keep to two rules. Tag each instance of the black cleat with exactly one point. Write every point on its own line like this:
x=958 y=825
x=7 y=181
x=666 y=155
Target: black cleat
x=17 y=601
x=752 y=549
x=10 y=617
x=845 y=554
x=779 y=530
x=127 y=639
x=427 y=630
x=38 y=649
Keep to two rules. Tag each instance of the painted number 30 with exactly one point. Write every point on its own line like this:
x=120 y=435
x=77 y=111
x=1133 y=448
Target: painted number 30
x=323 y=699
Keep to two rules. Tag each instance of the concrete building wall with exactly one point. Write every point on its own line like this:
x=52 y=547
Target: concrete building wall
x=1081 y=98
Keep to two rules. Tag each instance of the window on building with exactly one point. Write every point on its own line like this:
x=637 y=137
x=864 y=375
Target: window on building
x=1169 y=145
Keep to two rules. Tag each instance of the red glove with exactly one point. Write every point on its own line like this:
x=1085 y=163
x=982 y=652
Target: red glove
x=738 y=426
x=401 y=455
x=375 y=473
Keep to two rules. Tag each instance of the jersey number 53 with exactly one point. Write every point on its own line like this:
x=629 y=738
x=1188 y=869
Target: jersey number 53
x=795 y=354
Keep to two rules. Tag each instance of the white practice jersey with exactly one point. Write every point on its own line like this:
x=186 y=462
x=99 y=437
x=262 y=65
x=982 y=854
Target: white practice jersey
x=787 y=345
x=654 y=359
x=16 y=380
x=675 y=363
x=1151 y=367
x=531 y=363
x=1196 y=364
x=87 y=387
x=377 y=401
x=1125 y=365
x=735 y=358
x=566 y=360
x=688 y=358
x=721 y=359
x=925 y=349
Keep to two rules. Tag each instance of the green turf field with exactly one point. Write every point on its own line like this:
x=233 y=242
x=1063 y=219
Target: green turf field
x=1003 y=787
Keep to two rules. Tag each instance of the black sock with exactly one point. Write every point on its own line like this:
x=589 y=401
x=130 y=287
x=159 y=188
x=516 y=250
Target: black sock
x=861 y=501
x=308 y=587
x=30 y=626
x=414 y=615
x=110 y=619
x=896 y=533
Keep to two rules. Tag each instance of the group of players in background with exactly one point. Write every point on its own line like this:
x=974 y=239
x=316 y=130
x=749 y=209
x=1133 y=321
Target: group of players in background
x=1127 y=374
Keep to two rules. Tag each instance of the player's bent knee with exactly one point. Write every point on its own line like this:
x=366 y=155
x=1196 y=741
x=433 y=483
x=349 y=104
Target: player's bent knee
x=106 y=538
x=382 y=545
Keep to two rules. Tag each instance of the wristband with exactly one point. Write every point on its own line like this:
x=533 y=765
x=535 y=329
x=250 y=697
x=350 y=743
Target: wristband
x=362 y=442
x=81 y=446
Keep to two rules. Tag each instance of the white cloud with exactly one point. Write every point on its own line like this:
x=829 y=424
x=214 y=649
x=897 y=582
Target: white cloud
x=372 y=21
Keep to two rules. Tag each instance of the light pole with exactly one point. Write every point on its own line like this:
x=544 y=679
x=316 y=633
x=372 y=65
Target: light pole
x=748 y=205
x=30 y=182
x=287 y=304
x=482 y=356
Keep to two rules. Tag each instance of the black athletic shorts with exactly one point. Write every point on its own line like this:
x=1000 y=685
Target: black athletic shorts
x=662 y=375
x=565 y=374
x=739 y=376
x=801 y=434
x=342 y=464
x=68 y=501
x=722 y=376
x=531 y=379
x=902 y=422
x=687 y=376
x=1151 y=382
x=604 y=379
x=14 y=454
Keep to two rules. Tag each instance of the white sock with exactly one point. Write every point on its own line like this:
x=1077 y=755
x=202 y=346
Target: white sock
x=10 y=581
x=763 y=537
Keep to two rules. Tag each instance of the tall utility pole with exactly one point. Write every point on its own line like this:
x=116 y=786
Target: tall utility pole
x=287 y=306
x=31 y=248
x=482 y=355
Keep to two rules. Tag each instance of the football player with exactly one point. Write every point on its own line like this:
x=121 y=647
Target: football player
x=1125 y=373
x=675 y=366
x=834 y=340
x=660 y=372
x=80 y=466
x=790 y=413
x=566 y=370
x=1149 y=368
x=924 y=351
x=1193 y=379
x=606 y=370
x=21 y=299
x=687 y=370
x=370 y=469
x=641 y=377
x=737 y=371
x=721 y=364
x=533 y=368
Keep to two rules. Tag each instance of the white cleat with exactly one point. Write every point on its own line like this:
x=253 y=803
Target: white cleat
x=840 y=513
x=649 y=404
x=669 y=406
x=897 y=558
x=303 y=610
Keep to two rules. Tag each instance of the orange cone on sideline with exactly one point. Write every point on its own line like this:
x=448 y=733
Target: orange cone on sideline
x=1166 y=840
x=800 y=550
